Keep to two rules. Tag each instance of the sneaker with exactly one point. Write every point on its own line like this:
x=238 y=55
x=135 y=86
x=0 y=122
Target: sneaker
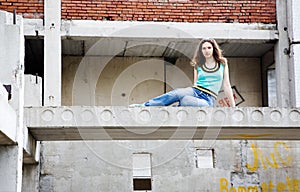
x=137 y=105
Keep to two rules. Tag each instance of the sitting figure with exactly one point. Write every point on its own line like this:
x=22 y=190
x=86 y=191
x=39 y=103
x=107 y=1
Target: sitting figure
x=209 y=76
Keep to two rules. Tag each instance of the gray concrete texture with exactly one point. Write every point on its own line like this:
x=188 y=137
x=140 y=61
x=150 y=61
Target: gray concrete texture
x=121 y=123
x=107 y=166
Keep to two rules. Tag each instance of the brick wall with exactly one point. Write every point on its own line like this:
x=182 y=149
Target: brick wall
x=255 y=11
x=28 y=8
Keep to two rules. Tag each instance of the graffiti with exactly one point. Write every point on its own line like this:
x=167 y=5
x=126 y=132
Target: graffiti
x=274 y=160
x=290 y=185
x=223 y=101
x=224 y=187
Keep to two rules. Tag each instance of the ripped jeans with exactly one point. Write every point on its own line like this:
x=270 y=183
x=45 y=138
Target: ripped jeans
x=189 y=96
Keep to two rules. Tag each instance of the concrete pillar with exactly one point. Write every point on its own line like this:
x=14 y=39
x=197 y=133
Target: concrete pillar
x=281 y=56
x=11 y=169
x=294 y=36
x=12 y=63
x=52 y=51
x=31 y=178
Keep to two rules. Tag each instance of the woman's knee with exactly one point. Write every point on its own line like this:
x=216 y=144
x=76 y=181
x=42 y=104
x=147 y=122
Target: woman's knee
x=182 y=92
x=193 y=101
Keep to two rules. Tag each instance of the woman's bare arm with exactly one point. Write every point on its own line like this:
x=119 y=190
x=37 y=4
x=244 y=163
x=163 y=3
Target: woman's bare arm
x=227 y=87
x=195 y=75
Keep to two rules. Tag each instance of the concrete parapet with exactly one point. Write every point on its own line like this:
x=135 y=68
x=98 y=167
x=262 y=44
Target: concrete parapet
x=154 y=123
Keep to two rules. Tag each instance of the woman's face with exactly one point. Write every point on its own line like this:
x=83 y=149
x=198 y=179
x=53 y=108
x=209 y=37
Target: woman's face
x=207 y=49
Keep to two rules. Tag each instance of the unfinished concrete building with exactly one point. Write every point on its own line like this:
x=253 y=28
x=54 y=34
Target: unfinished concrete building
x=70 y=69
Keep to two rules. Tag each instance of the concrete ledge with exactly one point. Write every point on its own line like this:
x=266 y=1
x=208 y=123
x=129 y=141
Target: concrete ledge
x=176 y=31
x=154 y=123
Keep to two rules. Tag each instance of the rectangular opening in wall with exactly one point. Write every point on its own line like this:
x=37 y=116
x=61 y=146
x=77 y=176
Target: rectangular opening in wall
x=142 y=184
x=142 y=175
x=205 y=158
x=34 y=57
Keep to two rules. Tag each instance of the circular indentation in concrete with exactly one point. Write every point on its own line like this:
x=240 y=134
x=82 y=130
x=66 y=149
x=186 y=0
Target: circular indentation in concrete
x=294 y=115
x=125 y=116
x=238 y=115
x=145 y=115
x=276 y=115
x=257 y=115
x=201 y=115
x=47 y=115
x=86 y=115
x=106 y=115
x=182 y=115
x=164 y=115
x=67 y=115
x=219 y=115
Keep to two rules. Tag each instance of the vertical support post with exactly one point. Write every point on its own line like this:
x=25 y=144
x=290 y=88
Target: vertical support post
x=281 y=56
x=52 y=51
x=294 y=36
x=11 y=157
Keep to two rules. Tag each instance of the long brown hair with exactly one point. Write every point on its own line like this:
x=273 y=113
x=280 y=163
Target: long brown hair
x=217 y=53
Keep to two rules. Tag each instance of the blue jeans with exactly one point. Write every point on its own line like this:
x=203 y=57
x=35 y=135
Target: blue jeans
x=189 y=96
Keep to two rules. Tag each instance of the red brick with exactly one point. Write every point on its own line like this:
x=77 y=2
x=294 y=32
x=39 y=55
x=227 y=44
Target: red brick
x=172 y=10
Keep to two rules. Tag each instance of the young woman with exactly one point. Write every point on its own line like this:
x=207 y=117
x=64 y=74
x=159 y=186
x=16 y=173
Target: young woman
x=209 y=75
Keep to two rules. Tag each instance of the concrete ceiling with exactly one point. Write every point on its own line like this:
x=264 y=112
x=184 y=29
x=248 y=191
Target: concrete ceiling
x=156 y=48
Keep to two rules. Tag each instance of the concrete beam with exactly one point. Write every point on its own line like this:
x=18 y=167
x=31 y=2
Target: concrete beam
x=155 y=123
x=82 y=29
x=168 y=30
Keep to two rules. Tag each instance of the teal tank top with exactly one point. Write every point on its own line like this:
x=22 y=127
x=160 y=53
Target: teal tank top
x=210 y=80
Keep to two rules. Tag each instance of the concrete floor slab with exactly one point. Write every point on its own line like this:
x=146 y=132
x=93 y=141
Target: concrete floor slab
x=155 y=123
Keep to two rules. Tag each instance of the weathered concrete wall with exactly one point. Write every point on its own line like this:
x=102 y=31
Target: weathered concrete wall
x=107 y=166
x=122 y=81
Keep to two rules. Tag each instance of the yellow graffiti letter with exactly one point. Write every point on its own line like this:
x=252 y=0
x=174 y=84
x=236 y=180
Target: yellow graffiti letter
x=242 y=189
x=255 y=160
x=289 y=159
x=274 y=164
x=289 y=183
x=281 y=187
x=264 y=187
x=252 y=189
x=223 y=185
x=296 y=184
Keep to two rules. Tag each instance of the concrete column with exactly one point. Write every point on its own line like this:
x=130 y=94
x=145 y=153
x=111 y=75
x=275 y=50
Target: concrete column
x=31 y=178
x=294 y=36
x=10 y=169
x=281 y=56
x=12 y=63
x=52 y=51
